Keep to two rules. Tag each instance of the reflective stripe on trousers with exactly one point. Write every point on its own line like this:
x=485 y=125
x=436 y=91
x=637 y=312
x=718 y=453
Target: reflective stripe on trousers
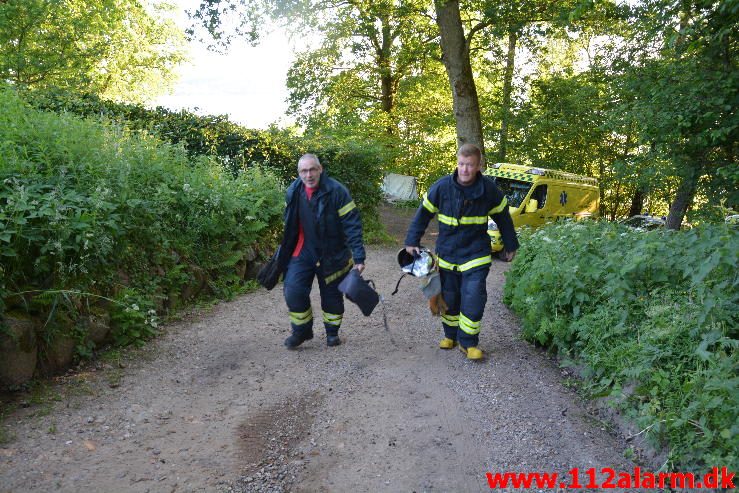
x=465 y=293
x=297 y=287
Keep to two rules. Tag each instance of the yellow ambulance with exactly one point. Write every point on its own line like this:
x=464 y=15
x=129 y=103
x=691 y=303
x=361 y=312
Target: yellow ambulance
x=538 y=195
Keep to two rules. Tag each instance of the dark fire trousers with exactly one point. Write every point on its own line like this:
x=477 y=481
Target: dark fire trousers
x=465 y=293
x=297 y=287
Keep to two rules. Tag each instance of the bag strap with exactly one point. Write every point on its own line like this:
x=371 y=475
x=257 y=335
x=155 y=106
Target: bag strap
x=398 y=284
x=371 y=283
x=384 y=321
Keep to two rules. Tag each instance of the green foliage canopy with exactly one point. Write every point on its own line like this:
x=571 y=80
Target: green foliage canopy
x=678 y=85
x=123 y=50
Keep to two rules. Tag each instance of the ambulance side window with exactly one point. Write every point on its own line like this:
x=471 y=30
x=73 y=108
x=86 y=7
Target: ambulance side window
x=540 y=194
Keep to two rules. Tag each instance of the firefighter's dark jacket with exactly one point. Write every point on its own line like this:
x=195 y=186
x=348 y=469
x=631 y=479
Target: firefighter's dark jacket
x=463 y=219
x=339 y=227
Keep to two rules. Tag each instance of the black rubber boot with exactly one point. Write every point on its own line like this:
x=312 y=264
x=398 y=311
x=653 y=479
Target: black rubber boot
x=333 y=341
x=296 y=340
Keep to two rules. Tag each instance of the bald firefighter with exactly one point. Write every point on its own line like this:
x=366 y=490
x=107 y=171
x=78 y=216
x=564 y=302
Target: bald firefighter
x=463 y=201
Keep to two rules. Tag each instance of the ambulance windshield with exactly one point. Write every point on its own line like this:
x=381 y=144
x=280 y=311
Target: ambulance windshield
x=514 y=190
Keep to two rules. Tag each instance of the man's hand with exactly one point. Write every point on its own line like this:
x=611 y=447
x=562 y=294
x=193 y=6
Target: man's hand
x=413 y=250
x=359 y=267
x=506 y=256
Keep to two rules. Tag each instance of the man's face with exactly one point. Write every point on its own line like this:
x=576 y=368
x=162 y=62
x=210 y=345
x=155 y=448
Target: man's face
x=309 y=172
x=467 y=169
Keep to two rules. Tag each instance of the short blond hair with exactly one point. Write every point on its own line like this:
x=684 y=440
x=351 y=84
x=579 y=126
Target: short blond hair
x=468 y=150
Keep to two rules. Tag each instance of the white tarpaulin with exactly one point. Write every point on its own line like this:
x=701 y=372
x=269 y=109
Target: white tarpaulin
x=399 y=187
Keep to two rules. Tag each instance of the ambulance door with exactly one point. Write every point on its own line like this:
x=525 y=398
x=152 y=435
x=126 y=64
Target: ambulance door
x=560 y=202
x=530 y=214
x=585 y=202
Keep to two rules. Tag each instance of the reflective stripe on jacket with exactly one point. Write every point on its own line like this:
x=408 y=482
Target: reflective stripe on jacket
x=463 y=241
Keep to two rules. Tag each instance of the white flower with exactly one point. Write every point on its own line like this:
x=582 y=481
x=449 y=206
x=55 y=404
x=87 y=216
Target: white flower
x=135 y=307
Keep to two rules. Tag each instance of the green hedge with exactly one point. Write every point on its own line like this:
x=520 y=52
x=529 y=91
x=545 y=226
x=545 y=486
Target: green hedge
x=234 y=146
x=135 y=223
x=356 y=165
x=359 y=165
x=652 y=317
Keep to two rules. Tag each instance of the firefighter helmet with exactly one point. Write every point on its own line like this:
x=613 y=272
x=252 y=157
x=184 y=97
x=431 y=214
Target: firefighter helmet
x=418 y=265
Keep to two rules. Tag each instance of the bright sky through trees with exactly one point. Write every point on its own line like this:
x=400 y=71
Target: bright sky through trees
x=247 y=83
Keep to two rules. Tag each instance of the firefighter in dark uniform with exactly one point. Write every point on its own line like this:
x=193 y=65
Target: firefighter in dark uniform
x=323 y=231
x=463 y=201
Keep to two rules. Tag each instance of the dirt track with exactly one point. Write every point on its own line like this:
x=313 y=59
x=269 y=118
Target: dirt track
x=217 y=404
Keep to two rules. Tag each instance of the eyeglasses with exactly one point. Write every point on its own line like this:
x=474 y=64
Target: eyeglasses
x=308 y=171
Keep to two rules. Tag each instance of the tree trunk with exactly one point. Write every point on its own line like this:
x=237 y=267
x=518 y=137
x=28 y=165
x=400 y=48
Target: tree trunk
x=601 y=188
x=388 y=97
x=637 y=203
x=507 y=90
x=456 y=58
x=616 y=200
x=683 y=198
x=383 y=59
x=385 y=66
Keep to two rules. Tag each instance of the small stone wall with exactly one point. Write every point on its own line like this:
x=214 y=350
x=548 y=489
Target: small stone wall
x=30 y=346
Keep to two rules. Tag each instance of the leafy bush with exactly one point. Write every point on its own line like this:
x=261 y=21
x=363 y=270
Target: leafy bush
x=357 y=165
x=652 y=316
x=89 y=208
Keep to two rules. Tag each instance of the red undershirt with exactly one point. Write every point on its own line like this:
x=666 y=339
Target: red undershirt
x=301 y=236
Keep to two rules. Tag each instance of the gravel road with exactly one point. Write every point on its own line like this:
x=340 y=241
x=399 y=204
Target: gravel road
x=216 y=403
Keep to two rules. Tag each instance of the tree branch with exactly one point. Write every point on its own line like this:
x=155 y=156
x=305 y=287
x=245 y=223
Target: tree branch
x=479 y=27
